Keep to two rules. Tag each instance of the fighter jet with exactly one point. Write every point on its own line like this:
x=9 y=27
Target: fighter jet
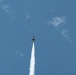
x=33 y=39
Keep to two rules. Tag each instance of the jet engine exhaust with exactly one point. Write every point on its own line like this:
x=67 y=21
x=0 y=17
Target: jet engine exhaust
x=32 y=61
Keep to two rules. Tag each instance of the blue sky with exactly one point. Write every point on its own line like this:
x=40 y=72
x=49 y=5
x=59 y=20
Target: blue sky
x=52 y=22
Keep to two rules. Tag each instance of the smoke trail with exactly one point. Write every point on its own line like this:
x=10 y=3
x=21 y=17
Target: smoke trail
x=32 y=61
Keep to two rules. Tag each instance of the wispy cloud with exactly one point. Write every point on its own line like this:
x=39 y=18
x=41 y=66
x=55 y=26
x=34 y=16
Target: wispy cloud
x=5 y=8
x=65 y=33
x=57 y=21
x=18 y=52
x=27 y=17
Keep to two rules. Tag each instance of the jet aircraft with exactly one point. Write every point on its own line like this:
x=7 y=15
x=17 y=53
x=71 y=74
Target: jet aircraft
x=33 y=39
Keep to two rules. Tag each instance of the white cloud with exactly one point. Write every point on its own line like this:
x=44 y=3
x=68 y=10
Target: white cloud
x=57 y=21
x=18 y=52
x=65 y=34
x=5 y=8
x=27 y=17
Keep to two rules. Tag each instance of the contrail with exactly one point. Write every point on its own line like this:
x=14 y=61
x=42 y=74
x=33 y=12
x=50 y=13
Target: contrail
x=32 y=61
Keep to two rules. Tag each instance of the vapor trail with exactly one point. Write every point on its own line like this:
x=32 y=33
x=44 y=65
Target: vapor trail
x=32 y=61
